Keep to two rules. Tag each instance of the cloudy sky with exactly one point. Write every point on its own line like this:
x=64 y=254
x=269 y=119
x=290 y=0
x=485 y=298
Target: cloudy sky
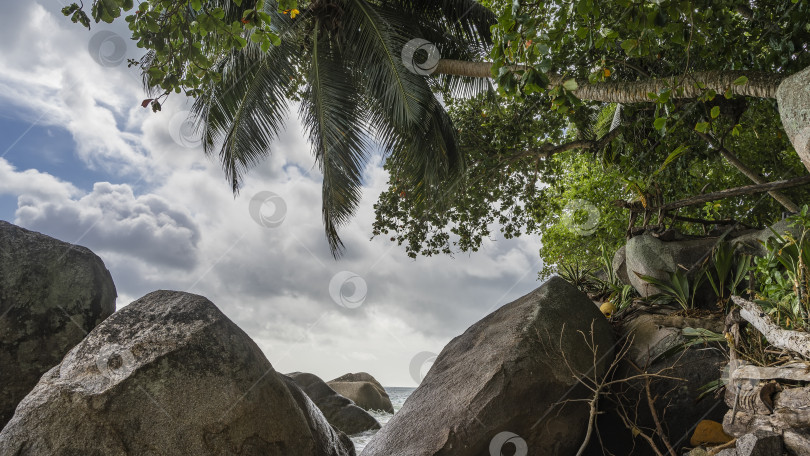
x=80 y=160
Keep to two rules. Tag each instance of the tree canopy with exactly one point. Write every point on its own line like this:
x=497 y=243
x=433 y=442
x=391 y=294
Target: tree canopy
x=694 y=82
x=341 y=61
x=601 y=109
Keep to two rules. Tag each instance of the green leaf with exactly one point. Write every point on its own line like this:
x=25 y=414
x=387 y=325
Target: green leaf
x=570 y=85
x=660 y=123
x=702 y=127
x=672 y=157
x=742 y=80
x=715 y=112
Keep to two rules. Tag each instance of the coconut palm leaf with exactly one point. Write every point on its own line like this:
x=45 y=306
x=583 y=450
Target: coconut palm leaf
x=242 y=115
x=330 y=111
x=342 y=59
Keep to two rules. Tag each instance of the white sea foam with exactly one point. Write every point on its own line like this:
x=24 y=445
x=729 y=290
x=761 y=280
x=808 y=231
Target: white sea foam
x=398 y=396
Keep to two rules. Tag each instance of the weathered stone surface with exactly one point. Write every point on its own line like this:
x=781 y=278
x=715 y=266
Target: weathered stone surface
x=620 y=265
x=341 y=412
x=650 y=338
x=367 y=395
x=168 y=374
x=507 y=373
x=649 y=256
x=797 y=442
x=760 y=443
x=360 y=377
x=654 y=341
x=51 y=294
x=793 y=97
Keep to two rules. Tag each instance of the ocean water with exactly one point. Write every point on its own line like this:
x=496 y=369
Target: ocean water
x=398 y=396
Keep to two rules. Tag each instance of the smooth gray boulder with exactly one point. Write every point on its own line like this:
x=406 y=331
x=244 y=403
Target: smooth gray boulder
x=650 y=256
x=341 y=412
x=169 y=374
x=360 y=377
x=51 y=295
x=364 y=390
x=504 y=382
x=620 y=265
x=793 y=97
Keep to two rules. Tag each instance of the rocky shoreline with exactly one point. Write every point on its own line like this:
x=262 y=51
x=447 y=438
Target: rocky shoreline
x=546 y=374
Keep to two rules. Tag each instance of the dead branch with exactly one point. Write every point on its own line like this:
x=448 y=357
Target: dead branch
x=795 y=341
x=737 y=191
x=748 y=172
x=658 y=427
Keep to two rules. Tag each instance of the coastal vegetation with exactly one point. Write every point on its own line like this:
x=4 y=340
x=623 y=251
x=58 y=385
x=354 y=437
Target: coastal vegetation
x=659 y=147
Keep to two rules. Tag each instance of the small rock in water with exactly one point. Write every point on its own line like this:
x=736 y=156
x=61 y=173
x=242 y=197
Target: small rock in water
x=364 y=390
x=341 y=412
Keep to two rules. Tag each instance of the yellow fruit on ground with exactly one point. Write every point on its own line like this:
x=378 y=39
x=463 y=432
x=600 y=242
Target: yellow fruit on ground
x=709 y=432
x=607 y=308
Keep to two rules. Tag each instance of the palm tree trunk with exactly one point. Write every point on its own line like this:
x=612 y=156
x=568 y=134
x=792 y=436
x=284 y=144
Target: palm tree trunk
x=759 y=85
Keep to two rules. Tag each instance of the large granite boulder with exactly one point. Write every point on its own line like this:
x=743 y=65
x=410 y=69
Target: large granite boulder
x=364 y=390
x=168 y=374
x=650 y=256
x=505 y=382
x=51 y=295
x=793 y=97
x=341 y=412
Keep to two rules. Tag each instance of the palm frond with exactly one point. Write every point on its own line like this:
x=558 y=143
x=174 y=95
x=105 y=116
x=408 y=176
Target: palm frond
x=374 y=38
x=242 y=115
x=426 y=161
x=330 y=111
x=466 y=20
